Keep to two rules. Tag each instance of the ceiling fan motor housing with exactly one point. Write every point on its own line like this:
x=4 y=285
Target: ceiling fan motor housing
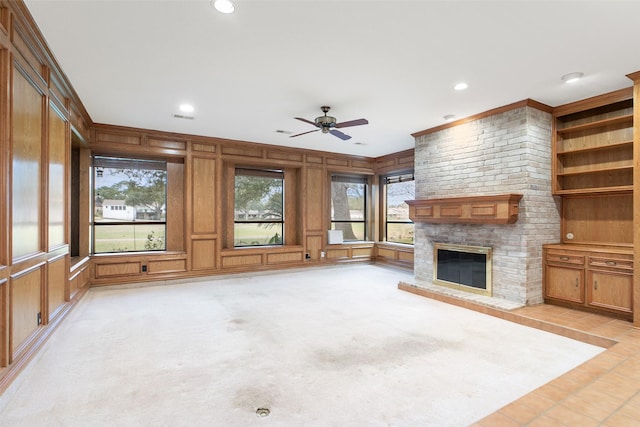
x=325 y=123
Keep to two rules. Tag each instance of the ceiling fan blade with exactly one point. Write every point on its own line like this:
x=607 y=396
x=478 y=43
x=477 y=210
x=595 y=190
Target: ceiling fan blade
x=306 y=121
x=352 y=123
x=304 y=133
x=342 y=136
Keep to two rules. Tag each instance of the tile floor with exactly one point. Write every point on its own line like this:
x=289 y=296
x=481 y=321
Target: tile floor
x=604 y=391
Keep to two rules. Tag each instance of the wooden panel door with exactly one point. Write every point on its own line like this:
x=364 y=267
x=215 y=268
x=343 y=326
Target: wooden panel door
x=564 y=283
x=611 y=290
x=57 y=292
x=58 y=154
x=204 y=195
x=26 y=292
x=26 y=167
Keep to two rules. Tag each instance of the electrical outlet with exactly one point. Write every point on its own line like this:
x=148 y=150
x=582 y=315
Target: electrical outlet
x=39 y=318
x=322 y=254
x=144 y=268
x=307 y=256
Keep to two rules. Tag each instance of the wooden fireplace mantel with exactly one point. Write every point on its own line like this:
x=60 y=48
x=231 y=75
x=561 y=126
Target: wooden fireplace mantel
x=498 y=209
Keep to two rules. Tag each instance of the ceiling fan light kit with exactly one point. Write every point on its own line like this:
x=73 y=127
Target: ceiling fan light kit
x=328 y=124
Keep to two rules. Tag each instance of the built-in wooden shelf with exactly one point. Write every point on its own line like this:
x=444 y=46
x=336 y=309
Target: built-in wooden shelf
x=626 y=119
x=608 y=147
x=597 y=190
x=498 y=209
x=592 y=171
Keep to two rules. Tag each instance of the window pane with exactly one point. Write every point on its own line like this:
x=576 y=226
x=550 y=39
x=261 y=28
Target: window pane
x=347 y=201
x=397 y=193
x=258 y=198
x=353 y=229
x=257 y=234
x=126 y=194
x=129 y=237
x=400 y=233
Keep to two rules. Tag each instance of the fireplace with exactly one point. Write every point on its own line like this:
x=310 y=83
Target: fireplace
x=463 y=267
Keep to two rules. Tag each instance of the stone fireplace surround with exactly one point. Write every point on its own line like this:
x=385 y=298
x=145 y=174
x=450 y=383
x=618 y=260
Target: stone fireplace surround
x=507 y=150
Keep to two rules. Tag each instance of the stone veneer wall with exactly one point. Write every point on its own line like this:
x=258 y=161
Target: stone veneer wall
x=509 y=152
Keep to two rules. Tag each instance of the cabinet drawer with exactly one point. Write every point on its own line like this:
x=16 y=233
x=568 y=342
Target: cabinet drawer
x=622 y=264
x=564 y=258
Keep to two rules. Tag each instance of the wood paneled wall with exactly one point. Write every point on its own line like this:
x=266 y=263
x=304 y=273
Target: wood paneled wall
x=200 y=205
x=36 y=105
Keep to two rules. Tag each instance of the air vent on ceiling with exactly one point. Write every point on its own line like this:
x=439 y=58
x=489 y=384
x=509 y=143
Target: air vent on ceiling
x=181 y=116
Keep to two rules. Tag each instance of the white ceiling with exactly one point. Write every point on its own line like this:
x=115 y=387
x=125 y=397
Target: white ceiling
x=393 y=62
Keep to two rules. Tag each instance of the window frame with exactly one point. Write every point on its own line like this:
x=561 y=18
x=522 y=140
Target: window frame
x=352 y=179
x=263 y=172
x=392 y=178
x=126 y=162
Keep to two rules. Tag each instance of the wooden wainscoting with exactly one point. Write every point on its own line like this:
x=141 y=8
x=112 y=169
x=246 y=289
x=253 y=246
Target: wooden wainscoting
x=394 y=254
x=262 y=258
x=135 y=267
x=349 y=252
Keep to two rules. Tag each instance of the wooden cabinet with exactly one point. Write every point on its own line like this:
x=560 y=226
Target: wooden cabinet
x=591 y=277
x=565 y=283
x=610 y=282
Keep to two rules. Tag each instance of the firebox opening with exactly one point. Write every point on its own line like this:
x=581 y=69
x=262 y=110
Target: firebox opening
x=463 y=267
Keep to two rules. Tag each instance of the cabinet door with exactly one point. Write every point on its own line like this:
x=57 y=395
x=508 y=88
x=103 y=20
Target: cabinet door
x=611 y=290
x=565 y=283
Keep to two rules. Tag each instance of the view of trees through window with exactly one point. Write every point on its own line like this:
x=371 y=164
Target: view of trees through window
x=258 y=207
x=348 y=206
x=129 y=205
x=398 y=226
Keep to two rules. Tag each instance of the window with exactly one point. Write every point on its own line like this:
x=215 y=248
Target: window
x=129 y=205
x=258 y=207
x=349 y=206
x=398 y=228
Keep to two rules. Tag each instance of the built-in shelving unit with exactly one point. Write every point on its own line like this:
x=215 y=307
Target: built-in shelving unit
x=593 y=150
x=592 y=162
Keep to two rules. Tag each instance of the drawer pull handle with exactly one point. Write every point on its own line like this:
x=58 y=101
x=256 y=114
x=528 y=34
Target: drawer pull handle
x=595 y=285
x=577 y=282
x=564 y=258
x=611 y=263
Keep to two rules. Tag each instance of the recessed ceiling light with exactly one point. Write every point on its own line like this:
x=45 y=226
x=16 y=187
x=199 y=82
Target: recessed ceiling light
x=186 y=108
x=224 y=6
x=449 y=117
x=572 y=77
x=461 y=86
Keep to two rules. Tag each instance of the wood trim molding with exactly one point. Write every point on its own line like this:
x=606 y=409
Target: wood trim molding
x=520 y=104
x=594 y=102
x=498 y=209
x=634 y=76
x=636 y=200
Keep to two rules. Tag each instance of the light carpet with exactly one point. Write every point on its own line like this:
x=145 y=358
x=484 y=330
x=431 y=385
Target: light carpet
x=337 y=346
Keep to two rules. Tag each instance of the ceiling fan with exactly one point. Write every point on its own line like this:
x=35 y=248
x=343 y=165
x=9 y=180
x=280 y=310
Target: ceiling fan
x=328 y=124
